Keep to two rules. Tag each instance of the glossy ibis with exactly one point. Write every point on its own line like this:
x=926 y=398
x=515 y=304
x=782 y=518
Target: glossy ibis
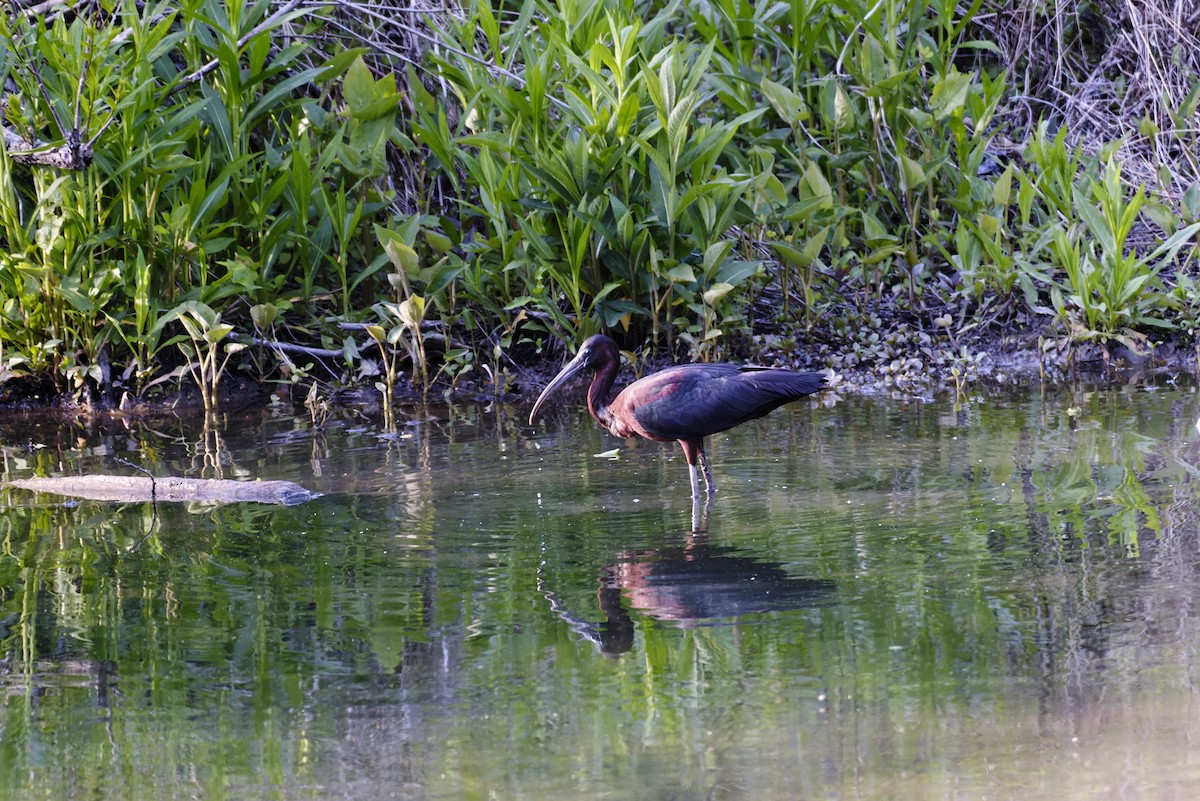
x=684 y=403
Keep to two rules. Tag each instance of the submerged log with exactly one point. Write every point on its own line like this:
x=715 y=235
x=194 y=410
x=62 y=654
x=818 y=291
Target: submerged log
x=168 y=489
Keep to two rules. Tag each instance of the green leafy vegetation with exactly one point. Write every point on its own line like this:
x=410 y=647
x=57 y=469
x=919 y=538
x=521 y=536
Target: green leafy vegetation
x=455 y=190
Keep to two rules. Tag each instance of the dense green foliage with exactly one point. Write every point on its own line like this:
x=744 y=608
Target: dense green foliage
x=210 y=202
x=546 y=171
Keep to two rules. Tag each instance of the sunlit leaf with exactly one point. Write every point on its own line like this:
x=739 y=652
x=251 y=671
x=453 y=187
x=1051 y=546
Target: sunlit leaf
x=787 y=104
x=412 y=310
x=681 y=274
x=218 y=332
x=950 y=93
x=716 y=292
x=1002 y=188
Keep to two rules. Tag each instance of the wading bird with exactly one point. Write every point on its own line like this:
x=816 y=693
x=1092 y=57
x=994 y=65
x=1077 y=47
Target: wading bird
x=684 y=403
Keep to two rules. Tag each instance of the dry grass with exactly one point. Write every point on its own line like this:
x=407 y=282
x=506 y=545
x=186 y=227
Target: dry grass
x=1110 y=70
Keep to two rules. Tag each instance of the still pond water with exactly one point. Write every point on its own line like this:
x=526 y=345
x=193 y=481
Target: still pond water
x=891 y=599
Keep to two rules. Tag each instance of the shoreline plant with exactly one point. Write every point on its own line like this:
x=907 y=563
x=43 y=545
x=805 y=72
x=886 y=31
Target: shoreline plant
x=681 y=175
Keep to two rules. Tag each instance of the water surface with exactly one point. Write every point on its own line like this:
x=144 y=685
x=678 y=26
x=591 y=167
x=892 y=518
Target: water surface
x=890 y=599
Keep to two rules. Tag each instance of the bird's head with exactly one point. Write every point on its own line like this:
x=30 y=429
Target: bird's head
x=595 y=352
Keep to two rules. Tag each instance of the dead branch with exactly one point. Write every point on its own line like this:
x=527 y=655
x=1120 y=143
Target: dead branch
x=71 y=155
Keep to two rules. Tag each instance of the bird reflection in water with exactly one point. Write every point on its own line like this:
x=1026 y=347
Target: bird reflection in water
x=690 y=584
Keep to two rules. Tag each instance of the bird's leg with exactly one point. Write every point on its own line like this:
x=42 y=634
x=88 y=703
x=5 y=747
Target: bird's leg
x=695 y=482
x=709 y=485
x=693 y=449
x=700 y=518
x=693 y=452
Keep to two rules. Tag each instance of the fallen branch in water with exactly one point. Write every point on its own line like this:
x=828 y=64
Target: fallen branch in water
x=168 y=489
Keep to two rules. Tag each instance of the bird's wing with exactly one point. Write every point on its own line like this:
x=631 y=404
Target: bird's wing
x=696 y=400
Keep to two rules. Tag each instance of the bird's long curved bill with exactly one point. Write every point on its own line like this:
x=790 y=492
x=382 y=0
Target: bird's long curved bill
x=568 y=372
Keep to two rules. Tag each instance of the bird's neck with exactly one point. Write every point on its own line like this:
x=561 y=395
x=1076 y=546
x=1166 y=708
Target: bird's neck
x=599 y=393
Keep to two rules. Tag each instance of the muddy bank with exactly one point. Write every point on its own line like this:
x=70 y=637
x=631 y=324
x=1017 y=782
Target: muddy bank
x=903 y=362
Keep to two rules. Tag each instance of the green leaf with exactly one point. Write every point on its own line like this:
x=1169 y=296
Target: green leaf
x=1132 y=288
x=1162 y=216
x=358 y=85
x=1002 y=189
x=912 y=174
x=950 y=93
x=401 y=255
x=1168 y=249
x=735 y=271
x=874 y=231
x=873 y=62
x=980 y=44
x=218 y=332
x=681 y=274
x=77 y=299
x=216 y=117
x=716 y=292
x=439 y=242
x=271 y=101
x=264 y=315
x=627 y=114
x=920 y=119
x=771 y=188
x=812 y=248
x=814 y=185
x=787 y=104
x=412 y=311
x=889 y=84
x=791 y=254
x=836 y=107
x=715 y=255
x=1095 y=222
x=1191 y=198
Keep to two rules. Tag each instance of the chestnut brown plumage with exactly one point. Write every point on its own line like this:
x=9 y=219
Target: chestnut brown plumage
x=683 y=404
